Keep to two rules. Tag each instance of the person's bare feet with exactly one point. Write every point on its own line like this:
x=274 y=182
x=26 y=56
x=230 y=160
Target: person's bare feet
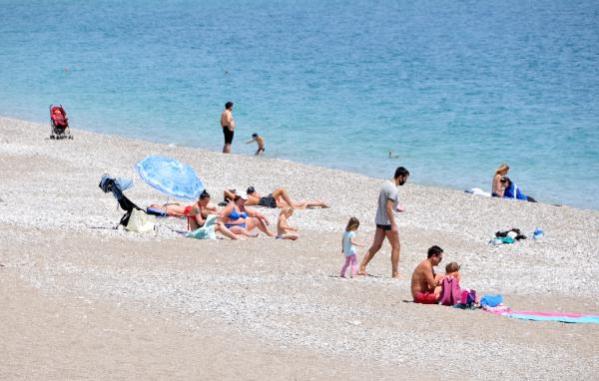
x=395 y=274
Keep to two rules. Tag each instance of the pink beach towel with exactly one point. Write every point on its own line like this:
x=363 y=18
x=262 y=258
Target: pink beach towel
x=564 y=317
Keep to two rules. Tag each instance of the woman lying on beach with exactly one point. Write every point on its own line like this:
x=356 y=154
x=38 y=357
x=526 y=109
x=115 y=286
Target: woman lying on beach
x=196 y=214
x=170 y=209
x=241 y=220
x=280 y=198
x=497 y=187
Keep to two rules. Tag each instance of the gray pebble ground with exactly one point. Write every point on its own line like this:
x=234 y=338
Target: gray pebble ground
x=56 y=236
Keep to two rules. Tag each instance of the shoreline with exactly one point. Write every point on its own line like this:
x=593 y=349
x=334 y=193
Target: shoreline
x=431 y=184
x=280 y=299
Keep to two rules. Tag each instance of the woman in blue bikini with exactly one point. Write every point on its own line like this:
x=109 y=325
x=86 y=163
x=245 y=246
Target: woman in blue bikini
x=240 y=220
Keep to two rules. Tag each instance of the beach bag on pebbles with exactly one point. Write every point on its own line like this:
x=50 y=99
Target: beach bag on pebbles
x=468 y=298
x=451 y=293
x=140 y=222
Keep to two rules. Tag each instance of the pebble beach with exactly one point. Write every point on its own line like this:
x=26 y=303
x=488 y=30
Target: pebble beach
x=82 y=300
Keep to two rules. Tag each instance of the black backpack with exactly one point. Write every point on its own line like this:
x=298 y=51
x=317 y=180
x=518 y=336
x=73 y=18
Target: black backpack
x=109 y=184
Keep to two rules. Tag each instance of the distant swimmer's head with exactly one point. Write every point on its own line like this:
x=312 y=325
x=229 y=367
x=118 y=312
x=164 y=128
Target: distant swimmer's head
x=229 y=105
x=502 y=170
x=250 y=190
x=254 y=135
x=401 y=175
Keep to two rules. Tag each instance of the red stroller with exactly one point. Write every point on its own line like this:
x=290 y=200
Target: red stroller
x=59 y=123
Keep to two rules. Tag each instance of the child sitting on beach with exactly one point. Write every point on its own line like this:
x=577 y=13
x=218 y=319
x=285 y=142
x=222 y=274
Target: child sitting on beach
x=453 y=270
x=259 y=140
x=348 y=247
x=284 y=231
x=453 y=293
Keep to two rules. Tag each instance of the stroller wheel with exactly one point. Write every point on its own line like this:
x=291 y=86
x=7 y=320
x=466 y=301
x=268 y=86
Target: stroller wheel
x=52 y=137
x=70 y=137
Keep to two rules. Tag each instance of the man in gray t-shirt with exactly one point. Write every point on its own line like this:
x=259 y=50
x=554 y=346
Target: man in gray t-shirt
x=388 y=193
x=386 y=224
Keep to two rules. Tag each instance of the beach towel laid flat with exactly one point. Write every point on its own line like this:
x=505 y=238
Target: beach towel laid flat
x=563 y=317
x=478 y=192
x=205 y=232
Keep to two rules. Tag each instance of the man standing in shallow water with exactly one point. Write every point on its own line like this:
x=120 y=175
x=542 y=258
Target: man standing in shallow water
x=228 y=124
x=386 y=225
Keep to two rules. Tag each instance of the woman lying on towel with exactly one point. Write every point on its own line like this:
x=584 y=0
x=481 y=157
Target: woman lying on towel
x=171 y=209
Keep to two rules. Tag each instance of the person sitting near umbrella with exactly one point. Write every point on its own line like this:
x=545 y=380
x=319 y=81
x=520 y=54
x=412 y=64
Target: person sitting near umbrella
x=196 y=214
x=242 y=220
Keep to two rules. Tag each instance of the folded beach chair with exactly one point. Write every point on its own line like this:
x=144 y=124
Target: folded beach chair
x=59 y=123
x=135 y=218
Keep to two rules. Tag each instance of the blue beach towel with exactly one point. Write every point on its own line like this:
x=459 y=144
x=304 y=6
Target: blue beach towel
x=156 y=212
x=565 y=318
x=205 y=232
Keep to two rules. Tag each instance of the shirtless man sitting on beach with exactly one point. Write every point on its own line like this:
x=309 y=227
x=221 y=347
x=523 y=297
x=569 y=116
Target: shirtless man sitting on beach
x=280 y=198
x=426 y=285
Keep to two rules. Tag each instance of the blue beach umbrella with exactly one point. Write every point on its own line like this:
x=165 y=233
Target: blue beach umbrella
x=171 y=177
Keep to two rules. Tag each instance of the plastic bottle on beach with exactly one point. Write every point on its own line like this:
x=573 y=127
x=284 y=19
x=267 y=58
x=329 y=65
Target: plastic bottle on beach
x=538 y=234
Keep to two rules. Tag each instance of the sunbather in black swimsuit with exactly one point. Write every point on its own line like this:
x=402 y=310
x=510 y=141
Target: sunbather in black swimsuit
x=228 y=135
x=268 y=201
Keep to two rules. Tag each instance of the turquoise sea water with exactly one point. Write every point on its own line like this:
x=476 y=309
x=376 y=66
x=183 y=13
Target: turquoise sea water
x=453 y=87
